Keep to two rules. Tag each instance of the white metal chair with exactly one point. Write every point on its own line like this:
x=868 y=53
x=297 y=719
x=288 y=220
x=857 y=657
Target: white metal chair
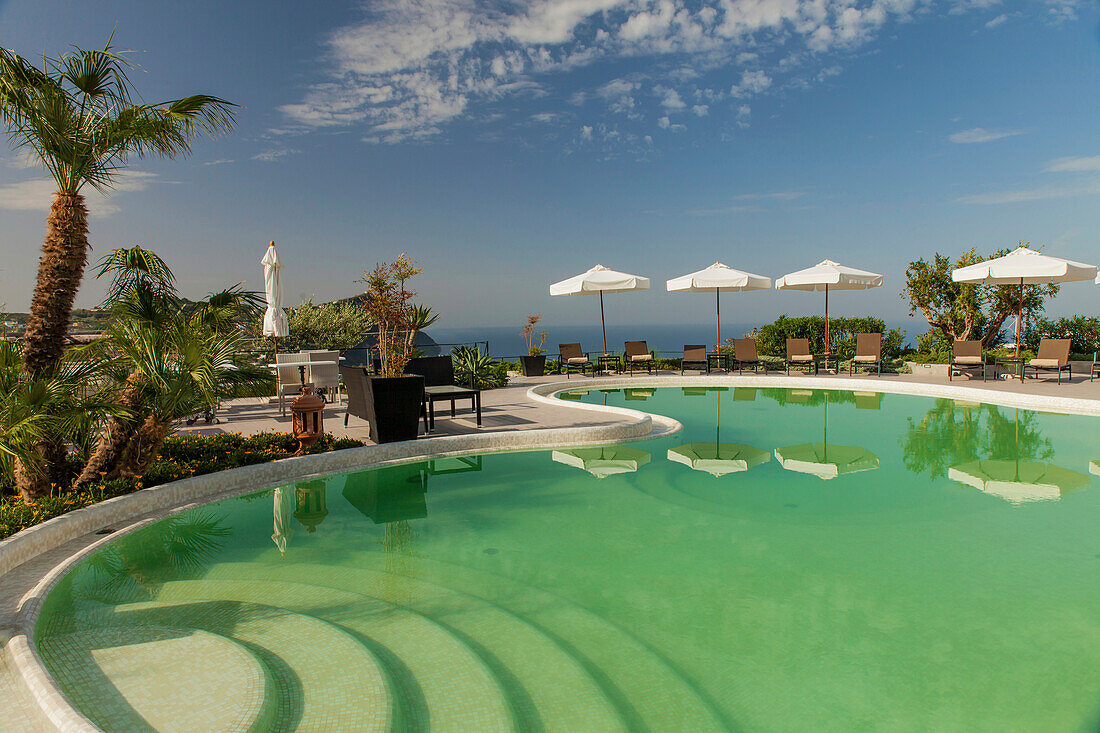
x=325 y=376
x=288 y=378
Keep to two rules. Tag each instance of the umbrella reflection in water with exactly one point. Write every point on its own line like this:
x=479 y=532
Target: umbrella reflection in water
x=717 y=458
x=824 y=460
x=603 y=461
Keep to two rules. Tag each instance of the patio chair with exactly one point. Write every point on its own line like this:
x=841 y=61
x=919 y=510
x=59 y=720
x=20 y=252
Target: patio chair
x=868 y=353
x=966 y=357
x=695 y=357
x=744 y=355
x=288 y=378
x=439 y=386
x=1053 y=356
x=636 y=355
x=572 y=359
x=799 y=355
x=326 y=376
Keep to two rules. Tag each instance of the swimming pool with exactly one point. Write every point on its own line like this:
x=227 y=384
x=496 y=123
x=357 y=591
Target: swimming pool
x=792 y=560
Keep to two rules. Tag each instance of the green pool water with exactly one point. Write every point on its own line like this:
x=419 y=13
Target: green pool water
x=792 y=560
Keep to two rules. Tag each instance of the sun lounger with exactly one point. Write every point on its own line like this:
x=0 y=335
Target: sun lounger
x=799 y=355
x=637 y=355
x=868 y=353
x=966 y=358
x=744 y=355
x=695 y=357
x=572 y=359
x=1053 y=356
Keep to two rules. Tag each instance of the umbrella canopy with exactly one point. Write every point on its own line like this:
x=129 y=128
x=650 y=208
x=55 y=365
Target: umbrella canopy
x=718 y=278
x=1018 y=481
x=604 y=461
x=283 y=513
x=718 y=459
x=600 y=280
x=825 y=276
x=1024 y=266
x=274 y=317
x=1094 y=467
x=826 y=461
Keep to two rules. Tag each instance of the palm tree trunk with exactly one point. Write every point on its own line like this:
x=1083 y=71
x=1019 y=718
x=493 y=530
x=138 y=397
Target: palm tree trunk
x=60 y=270
x=143 y=447
x=115 y=438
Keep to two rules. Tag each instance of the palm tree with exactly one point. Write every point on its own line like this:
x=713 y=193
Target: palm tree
x=78 y=118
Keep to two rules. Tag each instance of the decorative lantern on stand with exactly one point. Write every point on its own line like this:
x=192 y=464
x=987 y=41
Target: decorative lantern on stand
x=309 y=504
x=307 y=415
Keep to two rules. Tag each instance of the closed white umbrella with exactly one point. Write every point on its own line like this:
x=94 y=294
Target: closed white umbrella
x=1024 y=266
x=600 y=280
x=283 y=513
x=275 y=324
x=718 y=278
x=825 y=276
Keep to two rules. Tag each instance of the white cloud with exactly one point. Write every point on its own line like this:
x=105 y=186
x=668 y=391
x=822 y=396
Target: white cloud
x=1045 y=193
x=1074 y=165
x=700 y=110
x=37 y=194
x=409 y=68
x=981 y=135
x=270 y=156
x=670 y=98
x=999 y=20
x=219 y=161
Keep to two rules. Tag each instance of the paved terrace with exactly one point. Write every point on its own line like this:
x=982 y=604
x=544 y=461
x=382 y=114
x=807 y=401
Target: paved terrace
x=508 y=408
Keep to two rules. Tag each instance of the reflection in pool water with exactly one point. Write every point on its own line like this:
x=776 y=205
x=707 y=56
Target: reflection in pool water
x=684 y=583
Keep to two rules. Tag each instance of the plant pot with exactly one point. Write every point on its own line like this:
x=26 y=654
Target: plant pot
x=394 y=406
x=533 y=366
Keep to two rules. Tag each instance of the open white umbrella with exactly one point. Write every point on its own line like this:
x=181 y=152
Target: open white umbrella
x=825 y=276
x=275 y=324
x=718 y=278
x=600 y=280
x=1024 y=266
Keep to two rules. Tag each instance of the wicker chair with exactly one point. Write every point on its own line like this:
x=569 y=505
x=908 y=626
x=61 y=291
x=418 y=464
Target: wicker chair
x=572 y=358
x=695 y=357
x=636 y=355
x=966 y=357
x=868 y=353
x=1053 y=356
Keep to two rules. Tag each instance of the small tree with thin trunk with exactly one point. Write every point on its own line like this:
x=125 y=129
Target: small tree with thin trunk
x=389 y=304
x=964 y=311
x=78 y=117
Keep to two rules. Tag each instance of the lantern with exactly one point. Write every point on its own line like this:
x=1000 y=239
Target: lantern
x=309 y=504
x=307 y=414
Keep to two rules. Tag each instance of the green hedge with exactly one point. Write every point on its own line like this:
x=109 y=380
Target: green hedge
x=181 y=456
x=771 y=339
x=1083 y=331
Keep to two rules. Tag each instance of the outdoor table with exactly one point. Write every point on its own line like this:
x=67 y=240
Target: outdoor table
x=450 y=393
x=1015 y=364
x=603 y=361
x=822 y=360
x=720 y=358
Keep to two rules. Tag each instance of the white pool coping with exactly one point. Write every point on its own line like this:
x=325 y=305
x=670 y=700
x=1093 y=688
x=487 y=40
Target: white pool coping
x=121 y=513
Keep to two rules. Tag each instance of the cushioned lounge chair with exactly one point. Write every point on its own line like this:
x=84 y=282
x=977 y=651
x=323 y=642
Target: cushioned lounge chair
x=1053 y=356
x=966 y=358
x=799 y=355
x=695 y=357
x=744 y=355
x=572 y=359
x=637 y=355
x=868 y=353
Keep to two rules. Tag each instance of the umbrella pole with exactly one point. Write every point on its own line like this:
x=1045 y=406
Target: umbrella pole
x=717 y=323
x=1019 y=319
x=603 y=326
x=827 y=319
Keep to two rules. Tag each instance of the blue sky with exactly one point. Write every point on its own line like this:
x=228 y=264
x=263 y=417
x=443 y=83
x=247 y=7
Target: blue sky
x=509 y=145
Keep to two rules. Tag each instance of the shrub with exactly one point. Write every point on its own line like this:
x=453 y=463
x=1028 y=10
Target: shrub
x=771 y=339
x=181 y=456
x=1083 y=331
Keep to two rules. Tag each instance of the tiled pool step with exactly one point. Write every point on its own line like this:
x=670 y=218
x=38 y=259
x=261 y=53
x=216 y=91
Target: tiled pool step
x=331 y=683
x=459 y=691
x=161 y=678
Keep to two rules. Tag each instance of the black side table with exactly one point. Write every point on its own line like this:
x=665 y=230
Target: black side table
x=823 y=360
x=605 y=361
x=720 y=359
x=1015 y=364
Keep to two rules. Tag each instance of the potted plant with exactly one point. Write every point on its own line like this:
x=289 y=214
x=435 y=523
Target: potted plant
x=534 y=364
x=394 y=399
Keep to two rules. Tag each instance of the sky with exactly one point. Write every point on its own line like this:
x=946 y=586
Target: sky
x=508 y=145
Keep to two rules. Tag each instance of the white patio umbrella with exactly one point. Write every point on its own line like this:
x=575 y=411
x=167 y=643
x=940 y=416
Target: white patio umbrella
x=718 y=278
x=825 y=276
x=1024 y=266
x=600 y=280
x=283 y=512
x=275 y=324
